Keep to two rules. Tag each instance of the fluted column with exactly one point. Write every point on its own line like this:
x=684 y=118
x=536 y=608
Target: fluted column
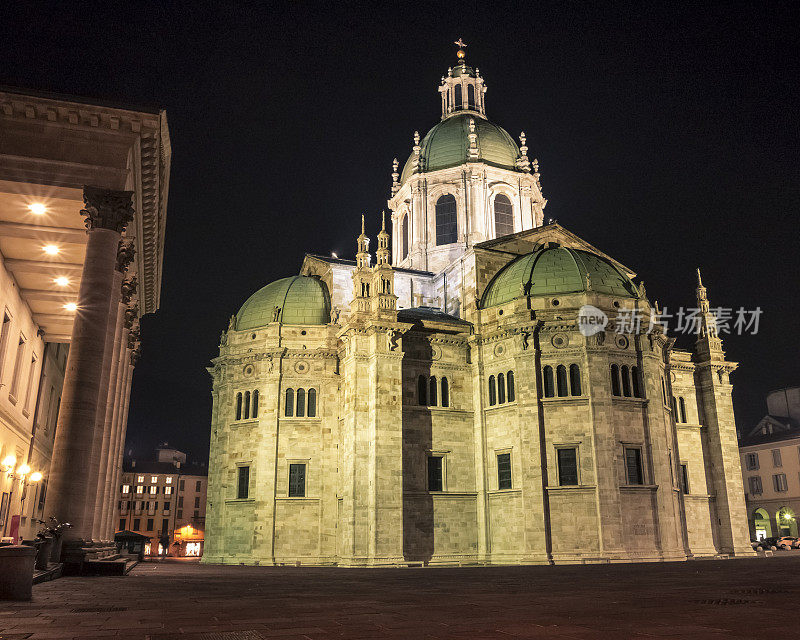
x=71 y=488
x=103 y=428
x=133 y=355
x=117 y=443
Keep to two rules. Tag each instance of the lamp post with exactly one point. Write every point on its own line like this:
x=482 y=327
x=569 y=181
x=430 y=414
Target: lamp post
x=22 y=474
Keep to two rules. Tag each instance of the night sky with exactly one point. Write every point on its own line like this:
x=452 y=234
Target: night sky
x=666 y=138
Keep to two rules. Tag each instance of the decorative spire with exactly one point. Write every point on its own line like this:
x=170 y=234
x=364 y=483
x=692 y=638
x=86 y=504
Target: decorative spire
x=461 y=53
x=522 y=162
x=707 y=340
x=462 y=89
x=362 y=257
x=395 y=176
x=416 y=149
x=382 y=252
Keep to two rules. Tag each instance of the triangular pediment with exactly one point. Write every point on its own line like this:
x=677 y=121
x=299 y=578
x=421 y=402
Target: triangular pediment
x=527 y=241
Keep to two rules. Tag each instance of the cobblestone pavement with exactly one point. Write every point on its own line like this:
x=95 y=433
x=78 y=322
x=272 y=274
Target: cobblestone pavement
x=749 y=598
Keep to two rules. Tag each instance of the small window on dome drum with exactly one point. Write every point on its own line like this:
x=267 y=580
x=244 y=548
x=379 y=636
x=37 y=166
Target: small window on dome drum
x=446 y=221
x=459 y=97
x=503 y=215
x=471 y=96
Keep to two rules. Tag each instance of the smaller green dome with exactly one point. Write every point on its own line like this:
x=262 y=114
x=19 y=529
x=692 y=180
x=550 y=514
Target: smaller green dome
x=447 y=144
x=553 y=270
x=299 y=300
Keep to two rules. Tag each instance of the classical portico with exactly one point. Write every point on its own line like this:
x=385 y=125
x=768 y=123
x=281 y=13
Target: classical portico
x=83 y=194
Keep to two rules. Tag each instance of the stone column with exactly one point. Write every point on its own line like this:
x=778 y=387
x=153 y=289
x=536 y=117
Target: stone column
x=129 y=314
x=107 y=214
x=122 y=424
x=108 y=382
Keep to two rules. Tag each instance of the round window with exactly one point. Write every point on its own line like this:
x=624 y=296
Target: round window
x=555 y=302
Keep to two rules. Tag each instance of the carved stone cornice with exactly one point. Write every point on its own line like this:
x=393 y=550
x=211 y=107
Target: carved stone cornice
x=136 y=354
x=133 y=338
x=125 y=255
x=107 y=208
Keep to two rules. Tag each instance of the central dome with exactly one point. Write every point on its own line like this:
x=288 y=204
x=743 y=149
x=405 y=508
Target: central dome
x=447 y=143
x=294 y=300
x=553 y=270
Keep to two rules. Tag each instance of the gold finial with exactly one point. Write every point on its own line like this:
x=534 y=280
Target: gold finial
x=461 y=46
x=383 y=220
x=362 y=224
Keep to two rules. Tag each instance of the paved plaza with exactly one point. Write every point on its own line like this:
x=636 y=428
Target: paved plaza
x=749 y=598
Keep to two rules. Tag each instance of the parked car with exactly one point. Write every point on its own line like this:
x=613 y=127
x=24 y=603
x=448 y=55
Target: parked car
x=769 y=543
x=786 y=542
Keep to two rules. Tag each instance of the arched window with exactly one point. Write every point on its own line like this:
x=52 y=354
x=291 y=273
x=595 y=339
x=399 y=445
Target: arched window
x=675 y=409
x=575 y=380
x=510 y=384
x=254 y=412
x=288 y=408
x=446 y=222
x=301 y=403
x=312 y=403
x=503 y=215
x=445 y=393
x=663 y=390
x=561 y=381
x=238 y=406
x=626 y=381
x=492 y=392
x=404 y=235
x=549 y=386
x=682 y=407
x=422 y=391
x=470 y=95
x=615 y=380
x=459 y=97
x=432 y=391
x=637 y=388
x=246 y=411
x=501 y=388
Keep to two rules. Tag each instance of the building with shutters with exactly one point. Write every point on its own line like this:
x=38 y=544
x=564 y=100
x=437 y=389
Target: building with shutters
x=442 y=404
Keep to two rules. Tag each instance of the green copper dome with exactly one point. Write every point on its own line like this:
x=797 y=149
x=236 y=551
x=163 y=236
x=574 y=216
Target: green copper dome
x=555 y=270
x=446 y=145
x=299 y=300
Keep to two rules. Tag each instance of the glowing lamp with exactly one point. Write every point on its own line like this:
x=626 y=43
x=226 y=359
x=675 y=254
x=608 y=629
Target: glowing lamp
x=61 y=281
x=9 y=462
x=70 y=306
x=23 y=470
x=36 y=476
x=50 y=249
x=37 y=208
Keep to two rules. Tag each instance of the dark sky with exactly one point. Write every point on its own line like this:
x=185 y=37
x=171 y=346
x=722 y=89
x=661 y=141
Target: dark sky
x=667 y=138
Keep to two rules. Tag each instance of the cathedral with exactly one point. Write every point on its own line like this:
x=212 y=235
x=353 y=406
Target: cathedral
x=442 y=404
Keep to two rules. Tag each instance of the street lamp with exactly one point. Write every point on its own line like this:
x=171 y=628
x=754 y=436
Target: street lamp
x=22 y=474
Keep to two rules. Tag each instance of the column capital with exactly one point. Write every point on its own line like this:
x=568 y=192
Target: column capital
x=125 y=254
x=106 y=208
x=128 y=289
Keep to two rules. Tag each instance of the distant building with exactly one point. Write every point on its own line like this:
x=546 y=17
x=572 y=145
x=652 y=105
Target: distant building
x=771 y=467
x=165 y=498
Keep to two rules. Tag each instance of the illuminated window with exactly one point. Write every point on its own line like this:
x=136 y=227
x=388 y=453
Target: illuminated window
x=140 y=479
x=168 y=481
x=446 y=221
x=168 y=491
x=126 y=488
x=153 y=490
x=503 y=215
x=139 y=489
x=153 y=478
x=504 y=471
x=297 y=480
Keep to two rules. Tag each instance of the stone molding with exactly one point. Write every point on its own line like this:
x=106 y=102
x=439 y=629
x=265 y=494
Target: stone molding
x=125 y=254
x=107 y=208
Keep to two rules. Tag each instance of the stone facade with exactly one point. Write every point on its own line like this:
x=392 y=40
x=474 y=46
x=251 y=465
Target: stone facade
x=459 y=413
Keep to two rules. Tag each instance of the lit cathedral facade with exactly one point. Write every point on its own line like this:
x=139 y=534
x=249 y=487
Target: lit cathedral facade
x=440 y=405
